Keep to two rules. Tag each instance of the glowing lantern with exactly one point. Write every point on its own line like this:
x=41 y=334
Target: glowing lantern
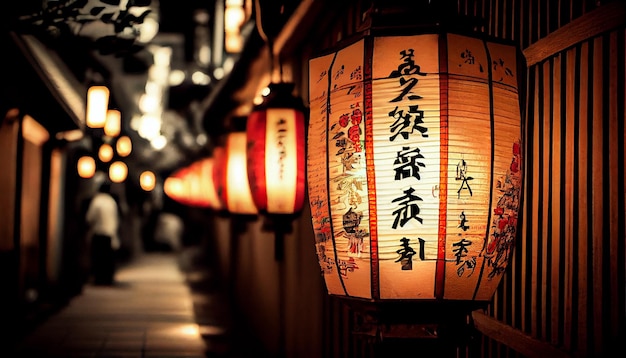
x=97 y=106
x=276 y=152
x=105 y=153
x=175 y=188
x=231 y=177
x=113 y=123
x=86 y=167
x=123 y=146
x=206 y=194
x=118 y=172
x=414 y=166
x=147 y=180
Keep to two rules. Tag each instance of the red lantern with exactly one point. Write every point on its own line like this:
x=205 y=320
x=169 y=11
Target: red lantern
x=276 y=152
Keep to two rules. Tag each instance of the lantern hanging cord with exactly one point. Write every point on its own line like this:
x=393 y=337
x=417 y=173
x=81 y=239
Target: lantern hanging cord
x=267 y=39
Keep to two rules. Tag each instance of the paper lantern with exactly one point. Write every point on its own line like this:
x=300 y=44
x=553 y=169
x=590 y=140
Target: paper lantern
x=124 y=146
x=207 y=193
x=414 y=166
x=86 y=167
x=118 y=172
x=231 y=176
x=175 y=188
x=276 y=152
x=147 y=180
x=97 y=106
x=105 y=153
x=113 y=123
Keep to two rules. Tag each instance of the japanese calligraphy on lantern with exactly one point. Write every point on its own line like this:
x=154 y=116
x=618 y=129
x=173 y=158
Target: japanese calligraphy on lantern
x=414 y=166
x=336 y=160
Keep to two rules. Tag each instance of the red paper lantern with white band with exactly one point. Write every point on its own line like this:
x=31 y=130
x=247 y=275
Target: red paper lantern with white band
x=230 y=175
x=276 y=152
x=414 y=166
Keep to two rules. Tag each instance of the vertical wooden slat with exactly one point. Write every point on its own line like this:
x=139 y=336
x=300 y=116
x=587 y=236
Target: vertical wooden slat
x=534 y=238
x=546 y=258
x=612 y=215
x=569 y=193
x=530 y=232
x=582 y=214
x=555 y=201
x=596 y=189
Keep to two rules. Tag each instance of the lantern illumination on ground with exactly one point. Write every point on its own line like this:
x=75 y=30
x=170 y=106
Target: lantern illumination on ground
x=276 y=152
x=414 y=166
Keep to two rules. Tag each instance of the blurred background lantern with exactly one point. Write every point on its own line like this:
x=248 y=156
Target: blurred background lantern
x=105 y=153
x=147 y=180
x=113 y=123
x=208 y=192
x=414 y=164
x=97 y=106
x=198 y=188
x=175 y=188
x=118 y=172
x=123 y=146
x=276 y=151
x=231 y=176
x=86 y=167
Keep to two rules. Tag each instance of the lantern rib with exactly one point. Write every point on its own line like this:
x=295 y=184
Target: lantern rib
x=491 y=169
x=332 y=230
x=440 y=271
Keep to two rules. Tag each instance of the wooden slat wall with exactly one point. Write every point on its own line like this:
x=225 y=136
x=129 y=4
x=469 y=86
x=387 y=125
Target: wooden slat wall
x=566 y=282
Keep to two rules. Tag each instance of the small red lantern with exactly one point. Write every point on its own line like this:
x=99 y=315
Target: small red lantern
x=276 y=152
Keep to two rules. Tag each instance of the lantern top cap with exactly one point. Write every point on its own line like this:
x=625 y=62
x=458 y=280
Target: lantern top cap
x=421 y=16
x=281 y=96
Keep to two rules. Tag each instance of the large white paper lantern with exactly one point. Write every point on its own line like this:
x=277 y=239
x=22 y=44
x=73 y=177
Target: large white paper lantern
x=414 y=166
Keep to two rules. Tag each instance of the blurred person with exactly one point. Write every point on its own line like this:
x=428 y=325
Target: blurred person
x=103 y=241
x=168 y=232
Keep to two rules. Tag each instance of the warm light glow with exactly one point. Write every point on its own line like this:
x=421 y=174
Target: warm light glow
x=105 y=153
x=97 y=106
x=33 y=131
x=415 y=175
x=118 y=172
x=174 y=188
x=113 y=124
x=233 y=42
x=234 y=16
x=86 y=167
x=276 y=152
x=236 y=196
x=124 y=146
x=147 y=180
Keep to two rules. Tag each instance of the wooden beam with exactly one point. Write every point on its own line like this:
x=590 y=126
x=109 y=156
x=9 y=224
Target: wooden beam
x=604 y=18
x=513 y=338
